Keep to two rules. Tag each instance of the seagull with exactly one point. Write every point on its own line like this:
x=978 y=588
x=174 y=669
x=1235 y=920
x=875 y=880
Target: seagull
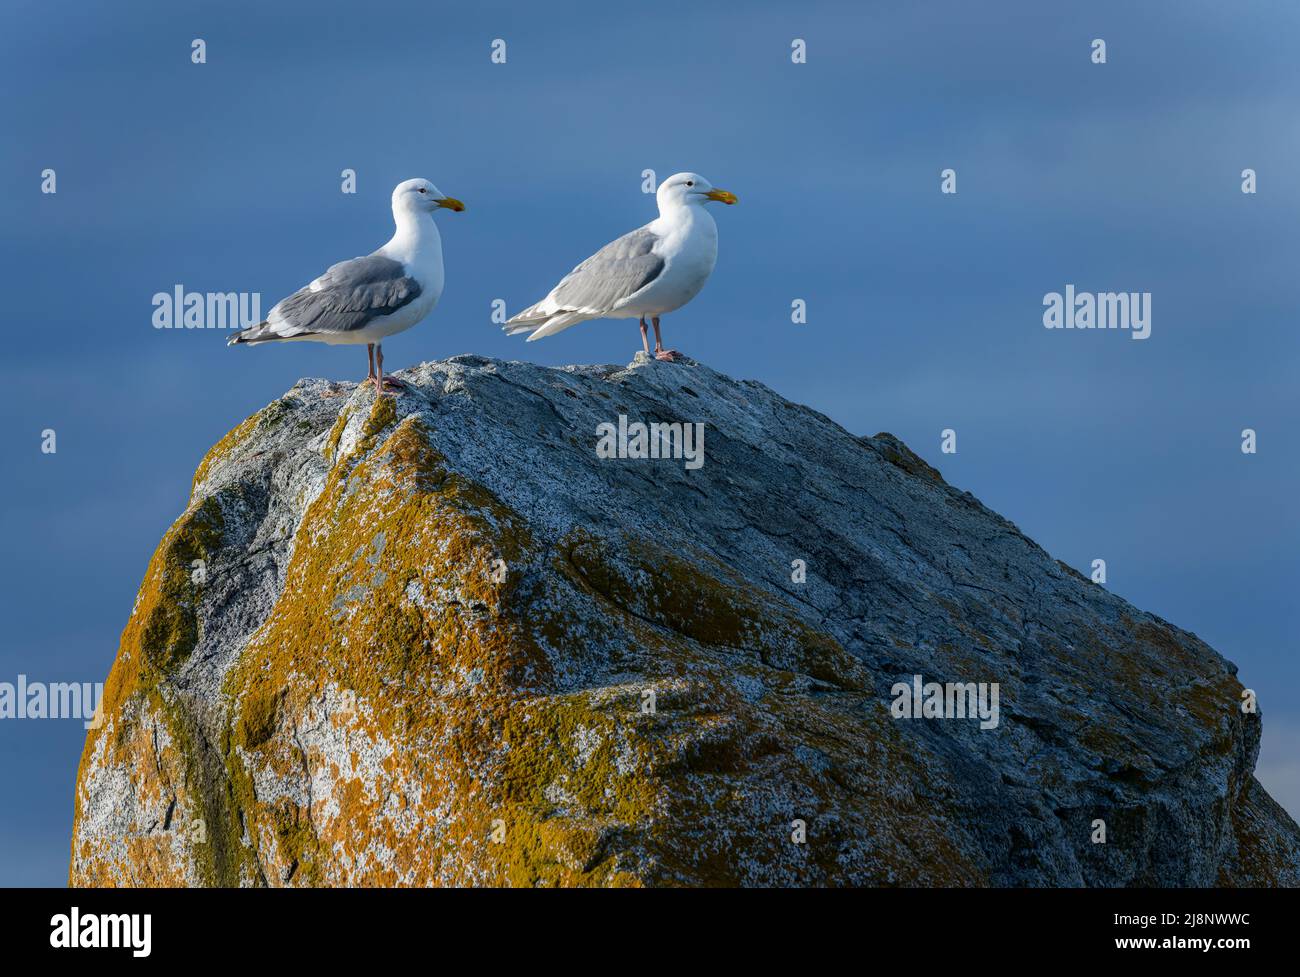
x=366 y=300
x=653 y=270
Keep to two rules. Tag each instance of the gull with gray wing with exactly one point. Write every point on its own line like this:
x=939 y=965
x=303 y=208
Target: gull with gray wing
x=647 y=272
x=366 y=300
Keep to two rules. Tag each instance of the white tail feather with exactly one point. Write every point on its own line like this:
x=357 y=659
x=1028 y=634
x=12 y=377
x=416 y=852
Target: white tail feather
x=558 y=323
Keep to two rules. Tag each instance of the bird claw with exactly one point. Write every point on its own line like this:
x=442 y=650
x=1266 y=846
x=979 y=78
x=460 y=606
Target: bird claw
x=668 y=355
x=390 y=384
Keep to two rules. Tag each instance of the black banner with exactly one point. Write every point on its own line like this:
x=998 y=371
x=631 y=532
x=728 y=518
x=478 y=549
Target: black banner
x=144 y=927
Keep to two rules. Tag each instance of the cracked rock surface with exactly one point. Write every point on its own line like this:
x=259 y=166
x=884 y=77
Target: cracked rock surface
x=436 y=640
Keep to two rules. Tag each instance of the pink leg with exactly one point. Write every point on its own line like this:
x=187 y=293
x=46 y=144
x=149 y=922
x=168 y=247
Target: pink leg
x=660 y=353
x=645 y=340
x=380 y=380
x=370 y=355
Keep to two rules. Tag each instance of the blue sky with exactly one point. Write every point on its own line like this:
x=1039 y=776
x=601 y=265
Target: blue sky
x=924 y=310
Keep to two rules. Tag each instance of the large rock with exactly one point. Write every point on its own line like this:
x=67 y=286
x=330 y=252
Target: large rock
x=439 y=641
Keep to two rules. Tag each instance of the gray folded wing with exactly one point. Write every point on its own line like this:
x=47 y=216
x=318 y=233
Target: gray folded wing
x=614 y=273
x=348 y=297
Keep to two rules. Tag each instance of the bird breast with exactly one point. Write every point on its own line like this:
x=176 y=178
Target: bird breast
x=690 y=250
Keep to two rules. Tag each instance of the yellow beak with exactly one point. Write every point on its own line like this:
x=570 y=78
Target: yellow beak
x=451 y=203
x=726 y=196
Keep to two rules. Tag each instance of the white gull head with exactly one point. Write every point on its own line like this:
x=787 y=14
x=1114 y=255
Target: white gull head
x=687 y=190
x=421 y=197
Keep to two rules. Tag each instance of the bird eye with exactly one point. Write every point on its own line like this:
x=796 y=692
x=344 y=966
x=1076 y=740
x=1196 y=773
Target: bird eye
x=690 y=183
x=422 y=189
